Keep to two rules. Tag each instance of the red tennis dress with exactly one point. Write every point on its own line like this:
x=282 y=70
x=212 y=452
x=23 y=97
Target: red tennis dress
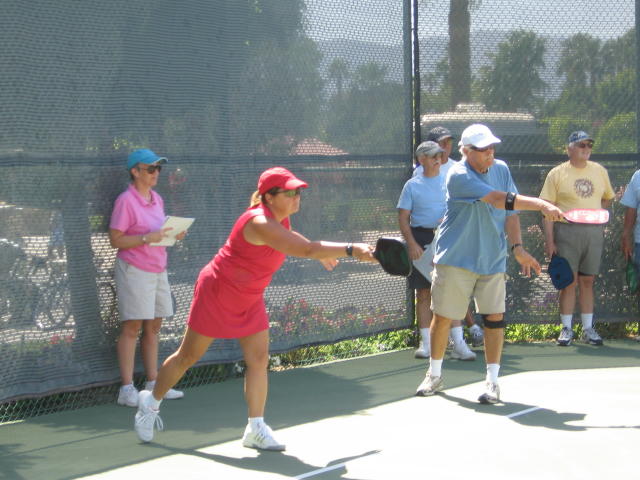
x=228 y=299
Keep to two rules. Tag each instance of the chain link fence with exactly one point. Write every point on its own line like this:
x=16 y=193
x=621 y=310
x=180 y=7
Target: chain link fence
x=227 y=89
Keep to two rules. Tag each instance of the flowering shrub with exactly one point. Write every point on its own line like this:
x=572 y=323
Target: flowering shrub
x=309 y=322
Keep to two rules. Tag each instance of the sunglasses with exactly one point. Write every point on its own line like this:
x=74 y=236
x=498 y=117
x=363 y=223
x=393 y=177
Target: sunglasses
x=152 y=169
x=584 y=145
x=489 y=147
x=290 y=193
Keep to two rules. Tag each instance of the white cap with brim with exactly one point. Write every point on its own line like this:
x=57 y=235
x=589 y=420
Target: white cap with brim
x=478 y=135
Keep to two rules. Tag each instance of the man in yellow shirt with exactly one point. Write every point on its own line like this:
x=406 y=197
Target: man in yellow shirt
x=577 y=183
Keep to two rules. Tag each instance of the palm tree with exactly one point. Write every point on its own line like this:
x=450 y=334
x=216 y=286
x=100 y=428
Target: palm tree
x=580 y=61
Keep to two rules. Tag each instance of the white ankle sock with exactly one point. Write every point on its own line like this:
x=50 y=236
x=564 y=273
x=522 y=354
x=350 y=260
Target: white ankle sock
x=587 y=320
x=456 y=335
x=255 y=423
x=426 y=337
x=566 y=320
x=153 y=403
x=492 y=372
x=435 y=367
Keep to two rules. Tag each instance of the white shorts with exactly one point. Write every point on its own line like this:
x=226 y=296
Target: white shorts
x=142 y=295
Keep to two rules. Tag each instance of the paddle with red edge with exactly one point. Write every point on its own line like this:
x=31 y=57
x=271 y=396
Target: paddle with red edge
x=589 y=216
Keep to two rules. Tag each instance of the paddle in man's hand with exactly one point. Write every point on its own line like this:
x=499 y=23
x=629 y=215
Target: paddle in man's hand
x=590 y=216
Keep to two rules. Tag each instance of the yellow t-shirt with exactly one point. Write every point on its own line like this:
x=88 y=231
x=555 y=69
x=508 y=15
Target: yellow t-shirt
x=569 y=187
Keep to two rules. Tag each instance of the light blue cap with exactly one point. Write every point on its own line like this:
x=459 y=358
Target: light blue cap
x=144 y=155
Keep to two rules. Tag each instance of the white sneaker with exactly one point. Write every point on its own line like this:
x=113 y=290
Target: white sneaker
x=491 y=394
x=422 y=351
x=477 y=335
x=429 y=386
x=590 y=335
x=128 y=396
x=147 y=418
x=461 y=351
x=261 y=439
x=170 y=395
x=565 y=337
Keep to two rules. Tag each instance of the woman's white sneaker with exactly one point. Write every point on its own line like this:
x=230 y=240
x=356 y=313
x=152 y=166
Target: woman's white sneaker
x=170 y=395
x=262 y=439
x=128 y=396
x=147 y=418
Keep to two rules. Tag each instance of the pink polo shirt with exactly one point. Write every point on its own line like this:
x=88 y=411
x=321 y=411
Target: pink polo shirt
x=134 y=215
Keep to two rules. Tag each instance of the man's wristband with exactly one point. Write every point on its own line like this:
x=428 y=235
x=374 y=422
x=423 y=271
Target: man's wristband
x=349 y=249
x=144 y=239
x=515 y=245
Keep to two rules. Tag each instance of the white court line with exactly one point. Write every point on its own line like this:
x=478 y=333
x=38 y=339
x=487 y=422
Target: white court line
x=313 y=473
x=320 y=471
x=523 y=412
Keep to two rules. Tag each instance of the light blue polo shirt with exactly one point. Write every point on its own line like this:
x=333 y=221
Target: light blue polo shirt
x=424 y=197
x=472 y=232
x=631 y=199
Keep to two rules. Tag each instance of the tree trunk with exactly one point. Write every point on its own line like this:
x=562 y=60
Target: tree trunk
x=459 y=52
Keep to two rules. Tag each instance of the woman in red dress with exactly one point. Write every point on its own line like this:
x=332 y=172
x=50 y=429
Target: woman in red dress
x=228 y=300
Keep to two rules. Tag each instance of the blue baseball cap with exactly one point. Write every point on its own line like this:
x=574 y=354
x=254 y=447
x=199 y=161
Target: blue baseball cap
x=578 y=136
x=144 y=155
x=560 y=272
x=437 y=134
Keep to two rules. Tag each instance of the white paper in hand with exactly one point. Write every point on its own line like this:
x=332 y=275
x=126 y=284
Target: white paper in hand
x=425 y=263
x=177 y=225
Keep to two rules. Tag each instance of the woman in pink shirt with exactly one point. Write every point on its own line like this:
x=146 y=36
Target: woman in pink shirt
x=228 y=299
x=144 y=297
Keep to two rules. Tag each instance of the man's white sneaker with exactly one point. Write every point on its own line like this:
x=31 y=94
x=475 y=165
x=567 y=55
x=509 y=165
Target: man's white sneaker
x=491 y=395
x=566 y=335
x=422 y=351
x=170 y=395
x=261 y=439
x=429 y=386
x=128 y=396
x=589 y=335
x=461 y=351
x=147 y=418
x=477 y=335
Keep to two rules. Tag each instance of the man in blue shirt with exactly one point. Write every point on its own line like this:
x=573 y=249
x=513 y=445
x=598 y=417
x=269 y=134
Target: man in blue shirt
x=471 y=252
x=421 y=207
x=631 y=230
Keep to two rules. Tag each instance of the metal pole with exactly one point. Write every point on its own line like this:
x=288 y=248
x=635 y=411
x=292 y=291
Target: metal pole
x=410 y=119
x=637 y=23
x=408 y=72
x=417 y=135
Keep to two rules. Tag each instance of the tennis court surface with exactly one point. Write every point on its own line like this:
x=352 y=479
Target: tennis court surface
x=567 y=413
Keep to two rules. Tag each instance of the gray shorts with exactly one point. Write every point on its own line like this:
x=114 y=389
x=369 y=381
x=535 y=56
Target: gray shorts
x=581 y=245
x=453 y=287
x=142 y=295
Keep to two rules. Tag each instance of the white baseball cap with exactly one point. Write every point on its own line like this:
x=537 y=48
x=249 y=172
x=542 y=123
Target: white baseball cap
x=478 y=135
